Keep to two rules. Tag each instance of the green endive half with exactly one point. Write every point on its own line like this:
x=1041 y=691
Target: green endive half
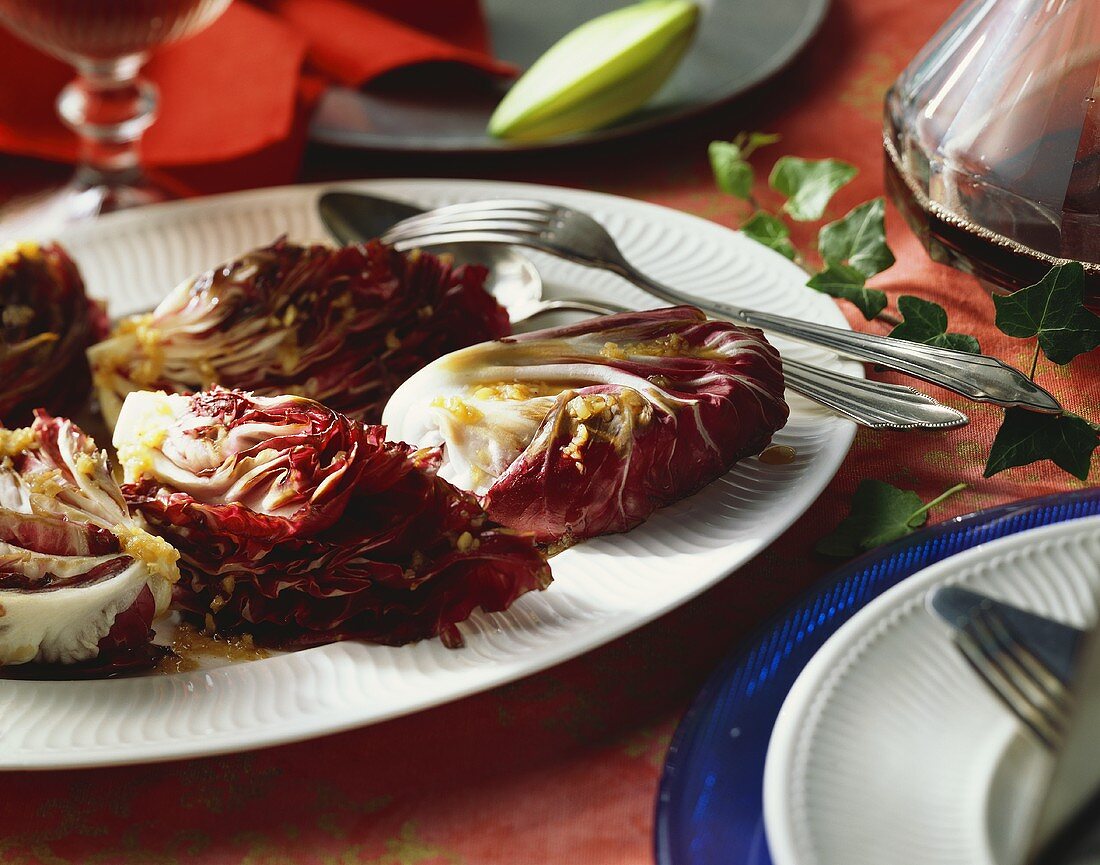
x=600 y=72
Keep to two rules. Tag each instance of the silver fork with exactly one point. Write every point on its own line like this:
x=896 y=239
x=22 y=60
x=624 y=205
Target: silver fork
x=577 y=237
x=873 y=404
x=1023 y=683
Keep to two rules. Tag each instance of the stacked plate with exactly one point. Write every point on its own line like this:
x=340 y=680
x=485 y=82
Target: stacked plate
x=851 y=731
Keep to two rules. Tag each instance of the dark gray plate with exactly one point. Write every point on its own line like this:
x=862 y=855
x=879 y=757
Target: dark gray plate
x=740 y=43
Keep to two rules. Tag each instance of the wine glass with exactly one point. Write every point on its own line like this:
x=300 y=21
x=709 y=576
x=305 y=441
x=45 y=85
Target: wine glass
x=109 y=105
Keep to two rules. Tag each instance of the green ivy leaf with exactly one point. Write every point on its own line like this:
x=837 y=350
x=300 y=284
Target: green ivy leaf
x=1052 y=310
x=728 y=162
x=809 y=184
x=858 y=240
x=1026 y=437
x=770 y=231
x=880 y=513
x=926 y=322
x=731 y=172
x=844 y=281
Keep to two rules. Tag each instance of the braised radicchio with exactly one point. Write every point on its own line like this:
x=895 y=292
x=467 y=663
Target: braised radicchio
x=46 y=324
x=80 y=579
x=343 y=326
x=300 y=526
x=587 y=429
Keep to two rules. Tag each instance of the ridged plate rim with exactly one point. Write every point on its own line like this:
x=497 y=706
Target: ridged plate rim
x=821 y=694
x=312 y=688
x=710 y=801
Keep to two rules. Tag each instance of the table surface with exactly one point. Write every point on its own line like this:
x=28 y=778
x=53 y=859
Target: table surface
x=562 y=767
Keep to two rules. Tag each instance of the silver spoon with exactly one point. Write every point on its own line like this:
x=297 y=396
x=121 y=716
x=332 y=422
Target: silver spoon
x=513 y=279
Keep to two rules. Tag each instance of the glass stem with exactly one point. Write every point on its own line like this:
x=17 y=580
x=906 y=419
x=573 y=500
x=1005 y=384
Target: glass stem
x=108 y=106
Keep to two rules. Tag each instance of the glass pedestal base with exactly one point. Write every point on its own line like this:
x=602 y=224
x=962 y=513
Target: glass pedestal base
x=42 y=215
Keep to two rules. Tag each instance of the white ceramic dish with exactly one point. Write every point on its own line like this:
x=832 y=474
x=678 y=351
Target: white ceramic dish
x=603 y=588
x=889 y=749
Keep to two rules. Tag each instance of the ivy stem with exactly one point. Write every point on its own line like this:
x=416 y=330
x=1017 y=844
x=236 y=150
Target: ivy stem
x=941 y=497
x=889 y=318
x=1034 y=361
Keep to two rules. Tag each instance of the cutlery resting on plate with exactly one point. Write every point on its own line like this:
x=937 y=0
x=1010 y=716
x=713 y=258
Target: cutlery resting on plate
x=295 y=523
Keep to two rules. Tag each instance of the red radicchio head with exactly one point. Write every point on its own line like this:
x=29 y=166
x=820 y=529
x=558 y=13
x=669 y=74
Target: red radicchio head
x=587 y=429
x=300 y=526
x=46 y=324
x=343 y=326
x=80 y=580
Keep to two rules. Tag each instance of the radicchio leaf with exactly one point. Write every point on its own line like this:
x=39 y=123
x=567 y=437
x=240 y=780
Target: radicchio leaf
x=587 y=429
x=80 y=580
x=300 y=526
x=343 y=326
x=46 y=324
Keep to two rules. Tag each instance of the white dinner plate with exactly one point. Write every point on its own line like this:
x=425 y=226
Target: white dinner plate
x=602 y=589
x=889 y=749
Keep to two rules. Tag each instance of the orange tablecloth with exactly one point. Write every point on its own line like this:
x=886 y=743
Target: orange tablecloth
x=561 y=767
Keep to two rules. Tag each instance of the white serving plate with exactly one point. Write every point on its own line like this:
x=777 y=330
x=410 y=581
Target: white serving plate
x=603 y=588
x=889 y=749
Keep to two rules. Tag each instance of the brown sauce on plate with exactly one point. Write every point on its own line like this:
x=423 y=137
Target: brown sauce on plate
x=190 y=646
x=778 y=455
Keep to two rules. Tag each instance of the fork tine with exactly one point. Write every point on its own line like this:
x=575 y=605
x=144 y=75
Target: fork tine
x=403 y=232
x=519 y=205
x=1009 y=664
x=1037 y=672
x=443 y=237
x=1005 y=690
x=436 y=218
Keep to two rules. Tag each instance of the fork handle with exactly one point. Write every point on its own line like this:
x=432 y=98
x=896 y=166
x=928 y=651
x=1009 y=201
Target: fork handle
x=977 y=376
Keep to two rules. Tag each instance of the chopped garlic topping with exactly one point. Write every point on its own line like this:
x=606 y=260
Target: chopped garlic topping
x=17 y=315
x=516 y=390
x=575 y=449
x=45 y=483
x=209 y=373
x=143 y=362
x=10 y=255
x=141 y=429
x=290 y=356
x=157 y=554
x=462 y=411
x=16 y=441
x=86 y=465
x=589 y=405
x=672 y=345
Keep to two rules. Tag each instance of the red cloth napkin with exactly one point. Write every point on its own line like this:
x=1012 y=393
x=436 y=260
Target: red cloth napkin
x=237 y=96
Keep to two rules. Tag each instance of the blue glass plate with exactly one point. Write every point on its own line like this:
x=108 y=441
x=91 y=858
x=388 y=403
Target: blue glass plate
x=710 y=803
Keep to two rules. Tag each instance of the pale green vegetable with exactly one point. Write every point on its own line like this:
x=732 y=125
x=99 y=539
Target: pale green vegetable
x=600 y=72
